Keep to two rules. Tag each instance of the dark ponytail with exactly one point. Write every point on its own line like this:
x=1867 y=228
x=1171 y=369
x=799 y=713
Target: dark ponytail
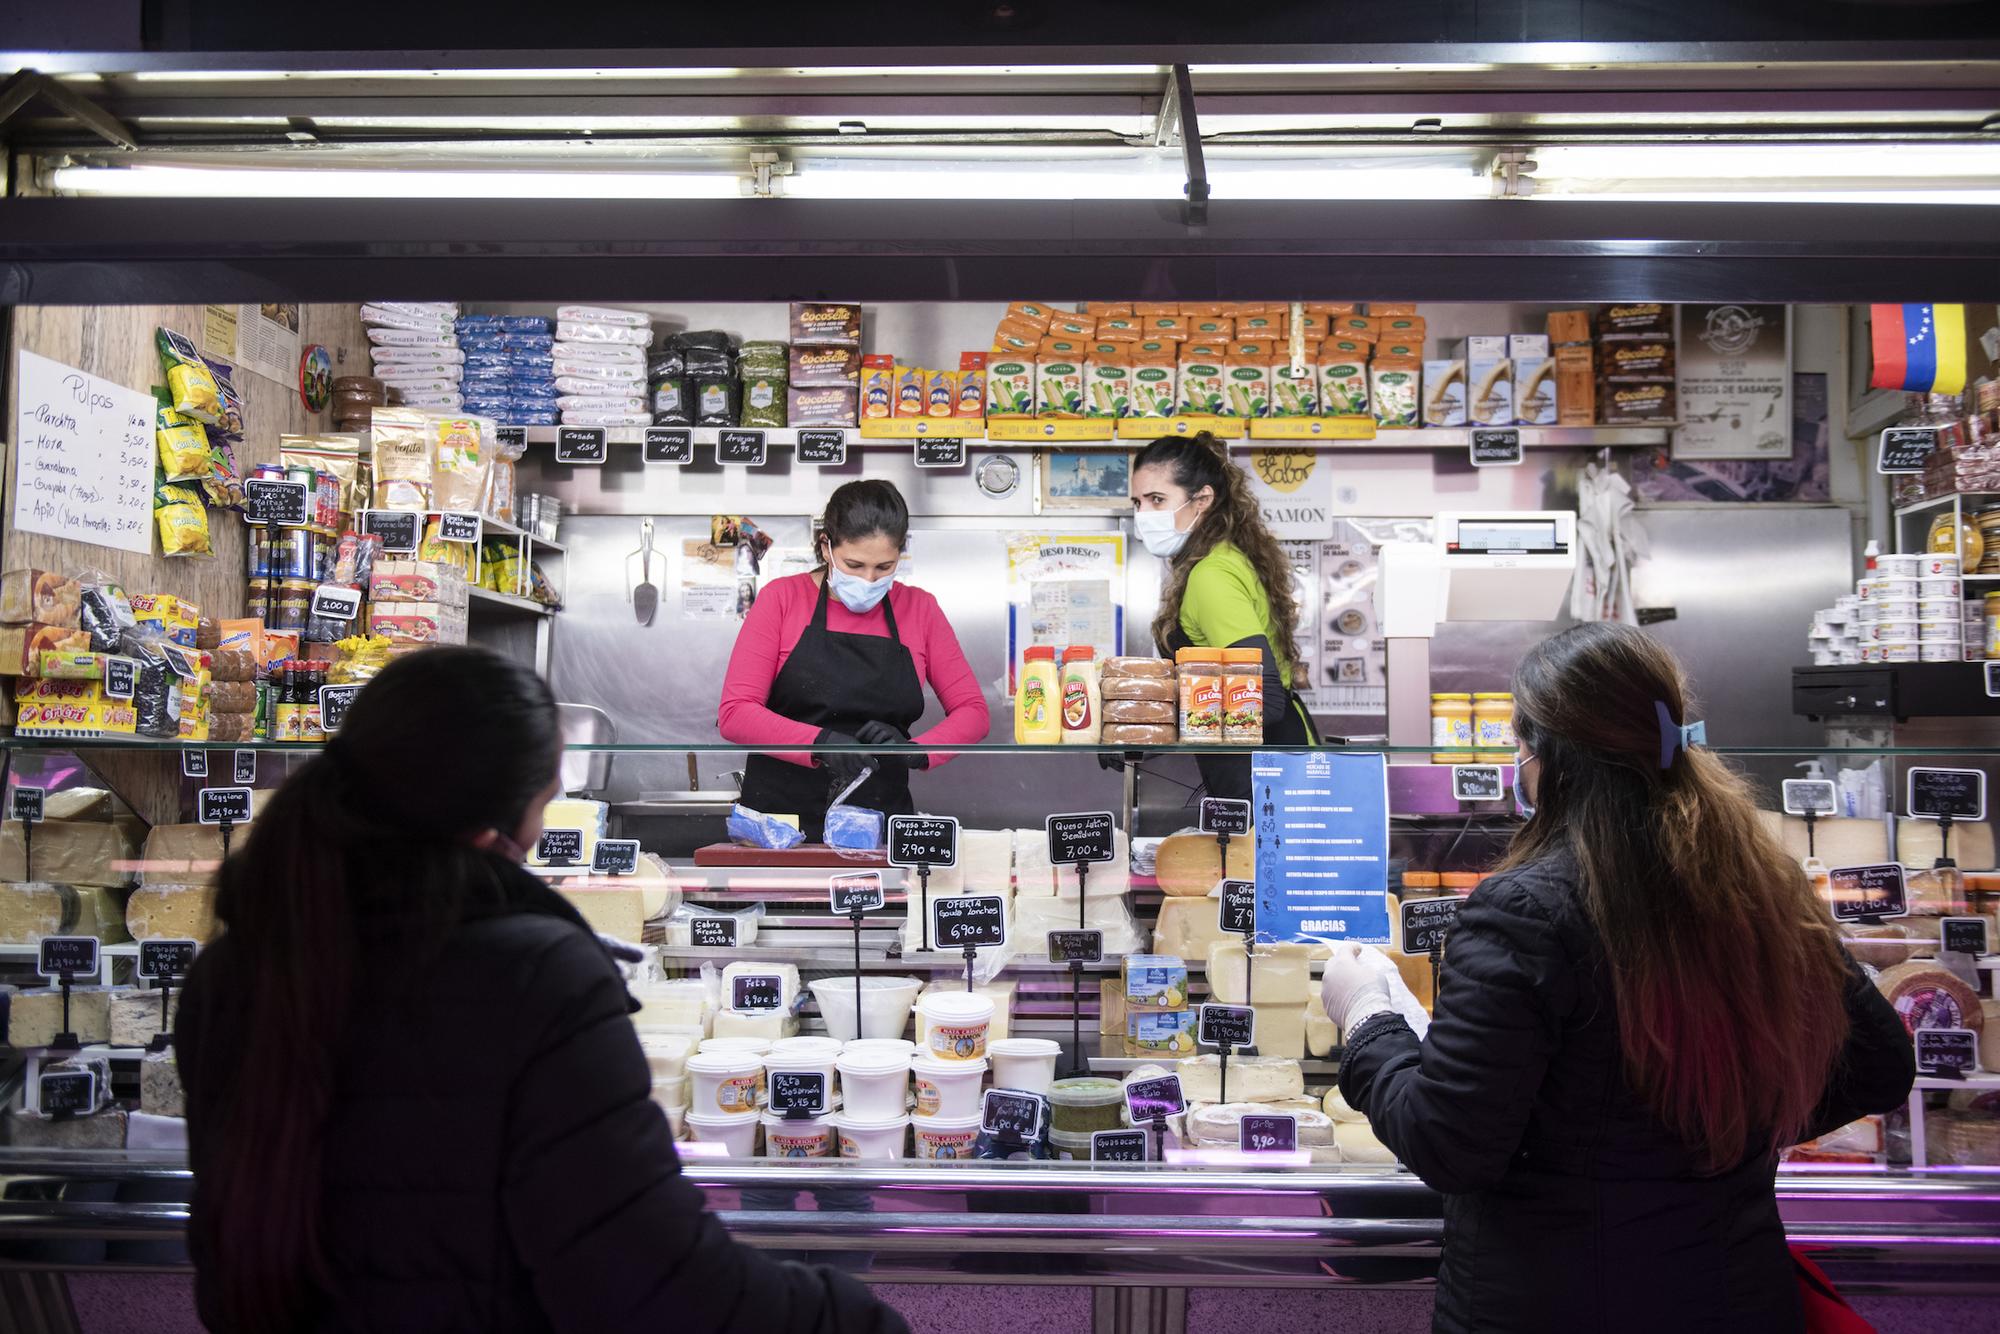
x=443 y=745
x=863 y=508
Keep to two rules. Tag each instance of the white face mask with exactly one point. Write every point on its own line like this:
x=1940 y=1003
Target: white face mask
x=1156 y=530
x=859 y=595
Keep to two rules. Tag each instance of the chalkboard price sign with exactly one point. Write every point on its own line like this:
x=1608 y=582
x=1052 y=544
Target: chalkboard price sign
x=969 y=921
x=669 y=444
x=1118 y=1146
x=560 y=847
x=1947 y=794
x=66 y=956
x=458 y=526
x=581 y=444
x=166 y=958
x=194 y=764
x=401 y=531
x=267 y=501
x=334 y=702
x=1011 y=1115
x=1076 y=947
x=1808 y=796
x=859 y=891
x=1148 y=1098
x=335 y=602
x=1085 y=837
x=1224 y=815
x=1477 y=782
x=797 y=1091
x=754 y=992
x=243 y=767
x=823 y=446
x=615 y=856
x=1868 y=891
x=121 y=678
x=934 y=452
x=67 y=1092
x=745 y=447
x=510 y=436
x=1274 y=1133
x=222 y=805
x=923 y=840
x=1499 y=448
x=1239 y=907
x=1947 y=1051
x=712 y=932
x=1226 y=1025
x=1964 y=935
x=1906 y=448
x=27 y=804
x=1426 y=922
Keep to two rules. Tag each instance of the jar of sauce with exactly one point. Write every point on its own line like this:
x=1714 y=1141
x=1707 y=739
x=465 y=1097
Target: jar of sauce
x=1243 y=696
x=1200 y=674
x=1037 y=700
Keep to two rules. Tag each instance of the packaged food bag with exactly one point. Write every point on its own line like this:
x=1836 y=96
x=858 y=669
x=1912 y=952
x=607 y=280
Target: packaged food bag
x=190 y=383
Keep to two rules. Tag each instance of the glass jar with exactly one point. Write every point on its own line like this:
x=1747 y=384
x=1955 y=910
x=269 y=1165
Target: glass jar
x=1451 y=726
x=1200 y=674
x=1243 y=696
x=1493 y=720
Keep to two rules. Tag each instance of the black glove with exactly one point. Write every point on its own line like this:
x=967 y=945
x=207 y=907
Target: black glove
x=845 y=766
x=877 y=733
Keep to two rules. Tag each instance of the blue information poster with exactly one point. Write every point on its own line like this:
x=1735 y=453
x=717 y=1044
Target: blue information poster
x=1322 y=845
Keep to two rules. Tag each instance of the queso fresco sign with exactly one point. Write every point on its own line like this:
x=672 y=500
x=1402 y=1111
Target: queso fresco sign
x=1294 y=488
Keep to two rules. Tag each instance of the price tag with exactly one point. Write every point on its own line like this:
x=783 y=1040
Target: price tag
x=797 y=1091
x=1426 y=922
x=1076 y=947
x=121 y=678
x=66 y=956
x=756 y=992
x=821 y=445
x=1239 y=907
x=1146 y=1099
x=1809 y=796
x=1273 y=1133
x=615 y=856
x=334 y=702
x=268 y=501
x=336 y=603
x=243 y=767
x=67 y=1092
x=459 y=526
x=1012 y=1114
x=669 y=444
x=1963 y=935
x=935 y=452
x=581 y=444
x=968 y=921
x=1086 y=837
x=401 y=531
x=510 y=436
x=1905 y=448
x=166 y=958
x=1939 y=794
x=27 y=804
x=1231 y=1025
x=712 y=932
x=1477 y=782
x=194 y=764
x=1993 y=679
x=1868 y=891
x=923 y=840
x=1224 y=815
x=1118 y=1146
x=745 y=447
x=1947 y=1051
x=859 y=891
x=560 y=847
x=1496 y=448
x=222 y=805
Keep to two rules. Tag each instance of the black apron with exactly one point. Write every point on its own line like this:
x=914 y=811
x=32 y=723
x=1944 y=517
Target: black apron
x=1287 y=727
x=841 y=681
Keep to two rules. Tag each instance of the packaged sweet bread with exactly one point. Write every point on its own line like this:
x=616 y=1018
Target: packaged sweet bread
x=1137 y=734
x=1156 y=688
x=41 y=596
x=1153 y=711
x=1159 y=667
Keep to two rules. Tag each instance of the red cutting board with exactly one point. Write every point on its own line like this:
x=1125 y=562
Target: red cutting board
x=807 y=856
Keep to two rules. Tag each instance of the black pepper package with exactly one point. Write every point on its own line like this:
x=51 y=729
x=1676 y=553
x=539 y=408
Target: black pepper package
x=105 y=612
x=673 y=402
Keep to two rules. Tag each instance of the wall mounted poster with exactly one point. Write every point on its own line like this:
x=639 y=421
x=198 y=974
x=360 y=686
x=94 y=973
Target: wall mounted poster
x=1064 y=589
x=83 y=457
x=1735 y=381
x=1322 y=822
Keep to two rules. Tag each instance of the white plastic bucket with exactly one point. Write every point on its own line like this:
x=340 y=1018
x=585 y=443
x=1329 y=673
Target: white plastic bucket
x=671 y=1094
x=885 y=1005
x=676 y=1004
x=736 y=1132
x=958 y=1022
x=726 y=1082
x=874 y=1084
x=751 y=1046
x=944 y=1137
x=903 y=1045
x=806 y=1046
x=946 y=1088
x=1905 y=566
x=871 y=1137
x=666 y=1054
x=805 y=1063
x=1023 y=1063
x=810 y=1137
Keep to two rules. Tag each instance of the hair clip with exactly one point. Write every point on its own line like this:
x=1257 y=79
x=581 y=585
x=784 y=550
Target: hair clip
x=1675 y=737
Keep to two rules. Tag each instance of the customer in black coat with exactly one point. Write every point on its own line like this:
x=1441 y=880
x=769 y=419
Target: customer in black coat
x=415 y=1097
x=1635 y=1015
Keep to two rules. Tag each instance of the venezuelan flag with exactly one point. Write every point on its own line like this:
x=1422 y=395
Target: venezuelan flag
x=1920 y=348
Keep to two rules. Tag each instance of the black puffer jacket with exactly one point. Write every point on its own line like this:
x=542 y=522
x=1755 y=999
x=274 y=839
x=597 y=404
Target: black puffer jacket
x=1567 y=1205
x=494 y=1161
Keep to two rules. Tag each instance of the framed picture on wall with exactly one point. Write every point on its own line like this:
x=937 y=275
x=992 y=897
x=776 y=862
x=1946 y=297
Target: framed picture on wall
x=1096 y=480
x=1735 y=381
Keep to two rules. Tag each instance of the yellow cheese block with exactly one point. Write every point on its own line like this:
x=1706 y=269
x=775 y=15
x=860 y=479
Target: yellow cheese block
x=31 y=911
x=68 y=853
x=1281 y=1030
x=160 y=1085
x=610 y=907
x=1187 y=927
x=1416 y=971
x=1279 y=974
x=177 y=912
x=1844 y=842
x=35 y=1015
x=1358 y=1143
x=1190 y=865
x=592 y=817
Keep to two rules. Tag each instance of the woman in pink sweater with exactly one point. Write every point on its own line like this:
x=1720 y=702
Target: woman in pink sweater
x=838 y=656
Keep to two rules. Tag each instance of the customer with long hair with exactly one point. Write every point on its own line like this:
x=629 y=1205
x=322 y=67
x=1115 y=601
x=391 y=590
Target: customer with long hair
x=415 y=1097
x=1637 y=1012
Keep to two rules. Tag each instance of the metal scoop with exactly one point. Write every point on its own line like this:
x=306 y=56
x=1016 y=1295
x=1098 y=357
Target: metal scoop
x=645 y=594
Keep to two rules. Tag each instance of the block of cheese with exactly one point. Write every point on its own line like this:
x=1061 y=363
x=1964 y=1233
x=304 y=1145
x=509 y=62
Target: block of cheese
x=1251 y=1078
x=35 y=1014
x=677 y=1003
x=1036 y=876
x=985 y=865
x=69 y=852
x=1322 y=1033
x=33 y=1130
x=916 y=922
x=135 y=1015
x=1034 y=918
x=1358 y=1144
x=1187 y=927
x=177 y=912
x=31 y=911
x=181 y=854
x=767 y=1024
x=592 y=817
x=1417 y=975
x=1281 y=1029
x=1336 y=1107
x=1190 y=865
x=1839 y=841
x=1280 y=974
x=1928 y=996
x=1219 y=1125
x=666 y=1054
x=160 y=1085
x=787 y=973
x=1111 y=1006
x=1001 y=992
x=610 y=906
x=1919 y=844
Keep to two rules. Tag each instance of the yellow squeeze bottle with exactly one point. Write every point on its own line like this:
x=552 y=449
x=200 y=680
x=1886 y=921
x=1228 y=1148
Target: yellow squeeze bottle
x=1037 y=701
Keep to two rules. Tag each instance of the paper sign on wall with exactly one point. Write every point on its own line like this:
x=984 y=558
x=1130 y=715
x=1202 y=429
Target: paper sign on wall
x=83 y=457
x=1322 y=845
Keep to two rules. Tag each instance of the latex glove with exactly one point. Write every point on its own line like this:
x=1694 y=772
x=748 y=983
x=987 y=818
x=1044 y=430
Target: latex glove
x=877 y=733
x=845 y=766
x=1375 y=963
x=1353 y=986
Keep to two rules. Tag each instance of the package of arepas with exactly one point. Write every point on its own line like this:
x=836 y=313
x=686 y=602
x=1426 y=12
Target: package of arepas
x=1037 y=313
x=1021 y=330
x=1010 y=386
x=1331 y=309
x=910 y=391
x=1343 y=378
x=878 y=386
x=1059 y=387
x=1361 y=328
x=1204 y=386
x=1249 y=393
x=940 y=392
x=1155 y=386
x=1108 y=377
x=1294 y=395
x=1394 y=390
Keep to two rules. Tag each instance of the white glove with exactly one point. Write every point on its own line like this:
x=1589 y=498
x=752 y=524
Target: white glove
x=1361 y=981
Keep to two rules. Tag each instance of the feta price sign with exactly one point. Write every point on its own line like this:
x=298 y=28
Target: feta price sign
x=334 y=702
x=1147 y=1099
x=333 y=602
x=1963 y=935
x=1076 y=946
x=797 y=1091
x=581 y=444
x=162 y=957
x=1224 y=815
x=222 y=805
x=615 y=856
x=66 y=956
x=1239 y=907
x=1273 y=1133
x=1118 y=1146
x=744 y=447
x=67 y=1092
x=267 y=501
x=968 y=922
x=1951 y=1052
x=669 y=444
x=560 y=847
x=712 y=932
x=1011 y=1114
x=1426 y=922
x=1808 y=796
x=1477 y=782
x=1868 y=891
x=401 y=531
x=27 y=803
x=755 y=992
x=1226 y=1026
x=856 y=892
x=459 y=526
x=1946 y=794
x=923 y=840
x=1086 y=837
x=824 y=446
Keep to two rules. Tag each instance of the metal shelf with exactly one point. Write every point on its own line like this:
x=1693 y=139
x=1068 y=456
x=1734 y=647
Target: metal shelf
x=492 y=526
x=1939 y=502
x=508 y=603
x=1650 y=435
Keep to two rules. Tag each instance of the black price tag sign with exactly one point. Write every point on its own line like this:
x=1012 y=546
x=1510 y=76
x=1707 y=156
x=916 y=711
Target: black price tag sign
x=334 y=702
x=243 y=767
x=268 y=501
x=615 y=856
x=336 y=603
x=1963 y=935
x=820 y=445
x=459 y=526
x=859 y=891
x=745 y=447
x=1239 y=907
x=1086 y=837
x=222 y=805
x=797 y=1091
x=966 y=922
x=513 y=437
x=1947 y=1051
x=1496 y=448
x=1010 y=1114
x=1118 y=1146
x=1947 y=794
x=712 y=932
x=67 y=1092
x=194 y=764
x=1224 y=815
x=923 y=840
x=1426 y=922
x=669 y=444
x=66 y=956
x=1146 y=1099
x=1906 y=448
x=401 y=531
x=1993 y=680
x=121 y=678
x=1868 y=891
x=166 y=958
x=1477 y=782
x=1076 y=947
x=27 y=804
x=1226 y=1025
x=560 y=847
x=1272 y=1133
x=1808 y=796
x=935 y=452
x=581 y=444
x=756 y=992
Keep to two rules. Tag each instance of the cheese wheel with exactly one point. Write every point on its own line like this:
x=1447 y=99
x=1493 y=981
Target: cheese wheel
x=1137 y=734
x=1160 y=668
x=1927 y=996
x=1138 y=711
x=1358 y=1144
x=1190 y=865
x=1138 y=687
x=1336 y=1107
x=1220 y=1124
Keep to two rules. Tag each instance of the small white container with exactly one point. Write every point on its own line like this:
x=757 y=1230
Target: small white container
x=726 y=1082
x=1953 y=629
x=1905 y=566
x=807 y=1137
x=903 y=1045
x=1896 y=590
x=946 y=1088
x=1938 y=564
x=806 y=1046
x=1894 y=632
x=807 y=1063
x=666 y=1054
x=735 y=1131
x=1871 y=652
x=871 y=1136
x=1902 y=609
x=752 y=1046
x=1934 y=651
x=1901 y=653
x=885 y=1005
x=944 y=1137
x=1023 y=1063
x=874 y=1084
x=1940 y=609
x=958 y=1022
x=671 y=1094
x=1940 y=586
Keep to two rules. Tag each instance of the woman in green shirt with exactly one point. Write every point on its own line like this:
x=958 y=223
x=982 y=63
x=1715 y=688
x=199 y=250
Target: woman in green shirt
x=1228 y=582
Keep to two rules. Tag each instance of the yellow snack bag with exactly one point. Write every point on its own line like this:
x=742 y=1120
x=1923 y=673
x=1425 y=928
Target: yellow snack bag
x=189 y=381
x=183 y=445
x=182 y=521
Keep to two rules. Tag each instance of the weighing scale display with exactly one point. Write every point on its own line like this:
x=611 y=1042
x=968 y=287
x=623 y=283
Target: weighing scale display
x=1507 y=536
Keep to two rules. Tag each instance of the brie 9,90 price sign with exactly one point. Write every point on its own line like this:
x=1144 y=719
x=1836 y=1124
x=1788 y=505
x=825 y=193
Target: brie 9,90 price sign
x=1277 y=1132
x=968 y=922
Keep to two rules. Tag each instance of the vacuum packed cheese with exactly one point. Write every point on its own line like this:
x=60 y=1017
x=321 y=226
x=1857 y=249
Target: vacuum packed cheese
x=177 y=912
x=1279 y=975
x=1927 y=996
x=1251 y=1078
x=69 y=852
x=1191 y=864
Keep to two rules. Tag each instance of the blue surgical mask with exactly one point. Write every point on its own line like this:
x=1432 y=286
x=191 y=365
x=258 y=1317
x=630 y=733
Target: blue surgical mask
x=1522 y=805
x=859 y=595
x=1157 y=533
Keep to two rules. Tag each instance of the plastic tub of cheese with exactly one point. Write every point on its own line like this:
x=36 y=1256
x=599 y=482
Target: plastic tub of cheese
x=871 y=1136
x=903 y=1045
x=666 y=1054
x=1023 y=1063
x=874 y=1084
x=812 y=1061
x=679 y=1003
x=813 y=1045
x=944 y=1137
x=947 y=1088
x=797 y=1137
x=735 y=1131
x=1066 y=1146
x=957 y=1022
x=671 y=1093
x=885 y=1005
x=726 y=1082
